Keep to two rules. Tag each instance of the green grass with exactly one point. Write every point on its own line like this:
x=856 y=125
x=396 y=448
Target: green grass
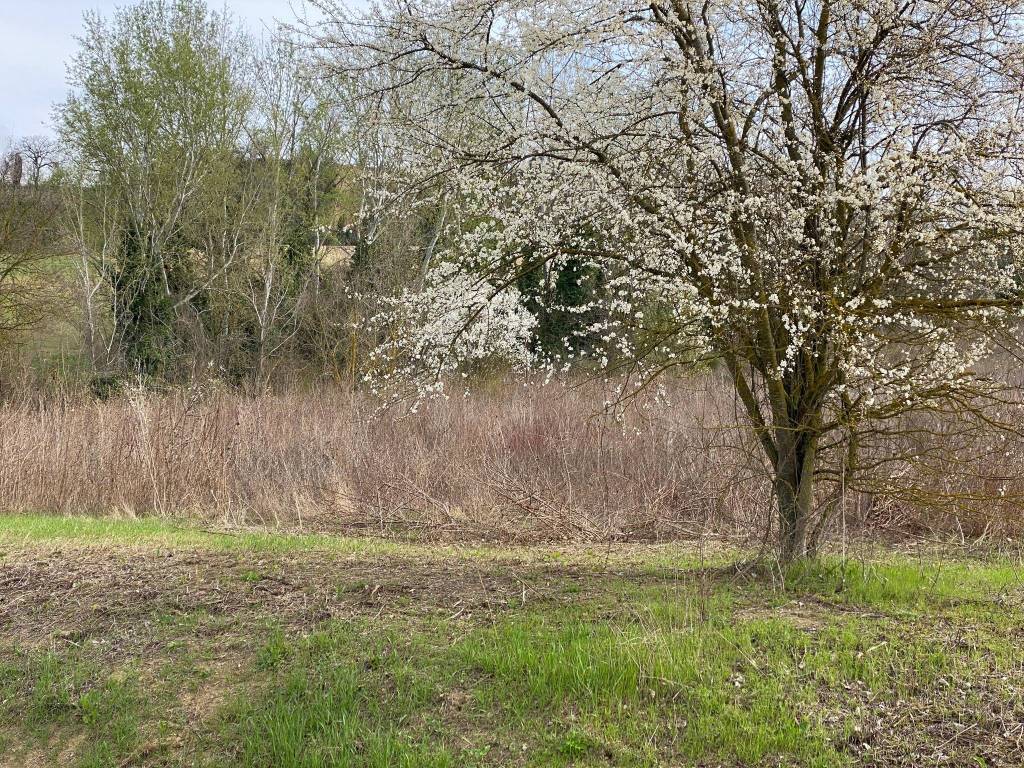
x=706 y=691
x=322 y=707
x=48 y=692
x=18 y=530
x=902 y=582
x=621 y=661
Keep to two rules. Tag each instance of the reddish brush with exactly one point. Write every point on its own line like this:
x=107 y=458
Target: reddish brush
x=513 y=463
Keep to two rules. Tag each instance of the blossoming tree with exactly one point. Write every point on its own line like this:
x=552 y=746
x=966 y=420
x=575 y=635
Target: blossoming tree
x=824 y=197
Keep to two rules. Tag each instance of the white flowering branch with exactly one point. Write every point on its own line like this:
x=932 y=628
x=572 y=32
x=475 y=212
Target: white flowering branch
x=824 y=195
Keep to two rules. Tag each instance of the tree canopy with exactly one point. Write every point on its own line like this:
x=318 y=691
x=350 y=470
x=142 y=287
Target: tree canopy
x=825 y=195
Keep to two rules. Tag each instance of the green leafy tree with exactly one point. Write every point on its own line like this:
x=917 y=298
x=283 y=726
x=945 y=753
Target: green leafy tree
x=155 y=114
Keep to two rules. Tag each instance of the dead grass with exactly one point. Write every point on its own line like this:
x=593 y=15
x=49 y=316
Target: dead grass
x=517 y=464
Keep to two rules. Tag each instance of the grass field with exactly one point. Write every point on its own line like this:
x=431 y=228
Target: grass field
x=145 y=644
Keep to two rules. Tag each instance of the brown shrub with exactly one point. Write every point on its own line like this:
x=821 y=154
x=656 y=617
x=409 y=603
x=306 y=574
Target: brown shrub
x=512 y=463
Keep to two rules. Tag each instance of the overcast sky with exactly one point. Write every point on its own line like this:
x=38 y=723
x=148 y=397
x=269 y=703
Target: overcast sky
x=38 y=36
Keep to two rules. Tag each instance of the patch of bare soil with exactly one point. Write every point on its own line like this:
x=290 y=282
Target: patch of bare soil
x=114 y=600
x=807 y=616
x=979 y=722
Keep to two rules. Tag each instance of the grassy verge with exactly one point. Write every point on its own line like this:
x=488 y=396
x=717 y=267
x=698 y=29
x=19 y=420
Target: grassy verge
x=146 y=644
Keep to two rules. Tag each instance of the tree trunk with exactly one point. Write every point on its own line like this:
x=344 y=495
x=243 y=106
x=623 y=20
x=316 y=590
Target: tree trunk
x=794 y=494
x=789 y=439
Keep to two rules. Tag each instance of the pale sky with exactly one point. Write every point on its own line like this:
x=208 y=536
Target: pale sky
x=38 y=36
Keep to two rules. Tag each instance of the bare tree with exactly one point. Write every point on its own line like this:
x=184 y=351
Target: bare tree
x=40 y=155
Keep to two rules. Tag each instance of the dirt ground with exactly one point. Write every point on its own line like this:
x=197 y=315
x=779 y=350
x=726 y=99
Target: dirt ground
x=115 y=602
x=109 y=597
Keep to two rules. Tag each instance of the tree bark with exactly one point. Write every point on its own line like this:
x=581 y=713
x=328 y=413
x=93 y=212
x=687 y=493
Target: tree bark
x=789 y=437
x=794 y=494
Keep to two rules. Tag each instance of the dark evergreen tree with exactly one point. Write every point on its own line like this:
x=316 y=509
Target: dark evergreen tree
x=561 y=297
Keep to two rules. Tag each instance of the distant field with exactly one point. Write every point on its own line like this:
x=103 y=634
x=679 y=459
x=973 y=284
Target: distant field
x=54 y=339
x=144 y=644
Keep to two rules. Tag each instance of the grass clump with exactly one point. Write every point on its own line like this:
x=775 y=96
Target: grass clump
x=647 y=693
x=54 y=693
x=904 y=583
x=321 y=707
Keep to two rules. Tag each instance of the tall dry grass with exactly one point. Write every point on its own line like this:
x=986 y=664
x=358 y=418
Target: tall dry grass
x=512 y=463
